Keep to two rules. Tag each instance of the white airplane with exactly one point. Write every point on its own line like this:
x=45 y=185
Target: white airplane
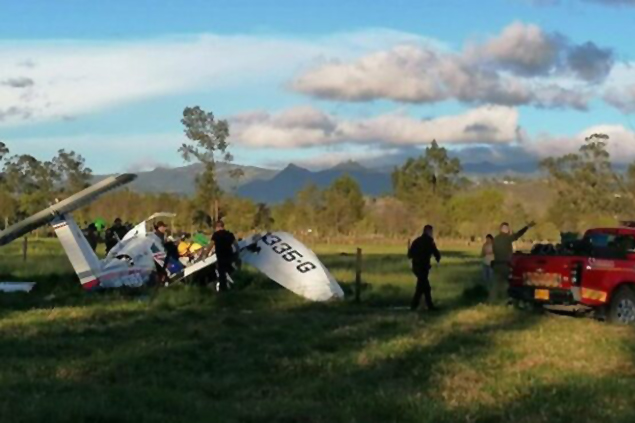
x=136 y=259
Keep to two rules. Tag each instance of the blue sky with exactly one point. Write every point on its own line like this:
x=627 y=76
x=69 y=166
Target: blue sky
x=315 y=82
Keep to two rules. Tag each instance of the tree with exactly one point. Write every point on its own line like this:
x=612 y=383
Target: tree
x=344 y=205
x=240 y=214
x=201 y=220
x=391 y=217
x=474 y=214
x=427 y=182
x=262 y=217
x=433 y=174
x=72 y=171
x=8 y=207
x=208 y=137
x=236 y=174
x=587 y=187
x=309 y=204
x=30 y=181
x=4 y=151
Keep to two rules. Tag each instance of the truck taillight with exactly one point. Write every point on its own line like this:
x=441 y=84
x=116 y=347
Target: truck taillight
x=576 y=272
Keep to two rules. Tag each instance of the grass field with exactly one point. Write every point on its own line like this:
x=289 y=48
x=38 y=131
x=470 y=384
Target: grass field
x=261 y=354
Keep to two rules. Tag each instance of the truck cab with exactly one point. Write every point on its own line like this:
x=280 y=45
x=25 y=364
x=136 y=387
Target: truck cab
x=595 y=273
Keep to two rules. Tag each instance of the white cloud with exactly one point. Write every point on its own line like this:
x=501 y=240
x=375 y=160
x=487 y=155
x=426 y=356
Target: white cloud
x=621 y=143
x=525 y=49
x=106 y=153
x=52 y=80
x=325 y=160
x=622 y=99
x=385 y=139
x=522 y=66
x=307 y=126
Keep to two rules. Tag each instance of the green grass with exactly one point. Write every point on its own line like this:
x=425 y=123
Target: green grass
x=261 y=354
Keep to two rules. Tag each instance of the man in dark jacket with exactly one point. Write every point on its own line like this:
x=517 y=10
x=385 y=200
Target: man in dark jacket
x=226 y=248
x=114 y=234
x=160 y=230
x=503 y=251
x=92 y=236
x=421 y=252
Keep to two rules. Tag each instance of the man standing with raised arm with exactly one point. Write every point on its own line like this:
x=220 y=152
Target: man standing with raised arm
x=503 y=251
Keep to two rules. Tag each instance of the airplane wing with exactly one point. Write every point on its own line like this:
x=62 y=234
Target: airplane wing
x=290 y=263
x=141 y=228
x=16 y=286
x=68 y=205
x=286 y=261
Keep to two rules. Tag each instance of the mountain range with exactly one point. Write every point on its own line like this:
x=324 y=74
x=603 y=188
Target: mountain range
x=293 y=178
x=274 y=186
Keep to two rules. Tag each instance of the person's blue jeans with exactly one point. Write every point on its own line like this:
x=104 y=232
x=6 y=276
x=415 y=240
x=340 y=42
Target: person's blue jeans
x=488 y=274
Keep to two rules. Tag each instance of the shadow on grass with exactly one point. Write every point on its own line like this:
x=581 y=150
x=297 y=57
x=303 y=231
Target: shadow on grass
x=386 y=263
x=265 y=355
x=251 y=357
x=313 y=363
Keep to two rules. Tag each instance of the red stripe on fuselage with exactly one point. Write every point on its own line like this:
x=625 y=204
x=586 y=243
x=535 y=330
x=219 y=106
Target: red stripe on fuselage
x=95 y=282
x=91 y=285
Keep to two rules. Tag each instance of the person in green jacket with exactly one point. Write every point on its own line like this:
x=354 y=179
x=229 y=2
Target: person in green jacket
x=503 y=251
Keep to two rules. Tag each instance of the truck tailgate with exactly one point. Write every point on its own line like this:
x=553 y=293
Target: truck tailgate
x=545 y=271
x=545 y=278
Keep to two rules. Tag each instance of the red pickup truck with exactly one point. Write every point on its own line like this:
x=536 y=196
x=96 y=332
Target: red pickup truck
x=596 y=273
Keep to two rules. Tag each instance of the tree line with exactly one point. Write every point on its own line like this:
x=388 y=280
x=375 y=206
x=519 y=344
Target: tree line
x=431 y=188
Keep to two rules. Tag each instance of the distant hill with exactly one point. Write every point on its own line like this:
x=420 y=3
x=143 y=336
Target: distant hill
x=489 y=169
x=274 y=186
x=293 y=178
x=181 y=180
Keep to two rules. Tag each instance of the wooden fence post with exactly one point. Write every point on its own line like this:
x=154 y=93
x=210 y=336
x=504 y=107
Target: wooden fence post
x=25 y=247
x=358 y=276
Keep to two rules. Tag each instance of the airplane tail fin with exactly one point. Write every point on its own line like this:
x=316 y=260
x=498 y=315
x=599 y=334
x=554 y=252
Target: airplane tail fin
x=82 y=257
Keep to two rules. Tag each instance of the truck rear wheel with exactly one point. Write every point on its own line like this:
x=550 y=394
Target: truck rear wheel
x=622 y=308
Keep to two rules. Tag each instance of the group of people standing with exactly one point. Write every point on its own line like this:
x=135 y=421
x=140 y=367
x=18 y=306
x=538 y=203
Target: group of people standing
x=111 y=236
x=496 y=254
x=187 y=249
x=182 y=249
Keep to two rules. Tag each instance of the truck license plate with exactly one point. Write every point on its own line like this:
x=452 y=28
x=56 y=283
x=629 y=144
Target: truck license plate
x=541 y=294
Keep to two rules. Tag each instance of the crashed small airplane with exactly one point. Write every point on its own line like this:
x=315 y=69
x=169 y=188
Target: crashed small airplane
x=135 y=260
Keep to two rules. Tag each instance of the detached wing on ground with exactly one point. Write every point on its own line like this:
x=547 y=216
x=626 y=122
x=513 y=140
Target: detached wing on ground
x=16 y=286
x=290 y=263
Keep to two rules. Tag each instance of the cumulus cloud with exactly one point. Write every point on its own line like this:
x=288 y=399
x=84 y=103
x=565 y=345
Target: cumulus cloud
x=621 y=143
x=419 y=75
x=523 y=49
x=309 y=127
x=103 y=153
x=329 y=159
x=514 y=68
x=623 y=99
x=521 y=156
x=590 y=62
x=20 y=82
x=487 y=133
x=71 y=78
